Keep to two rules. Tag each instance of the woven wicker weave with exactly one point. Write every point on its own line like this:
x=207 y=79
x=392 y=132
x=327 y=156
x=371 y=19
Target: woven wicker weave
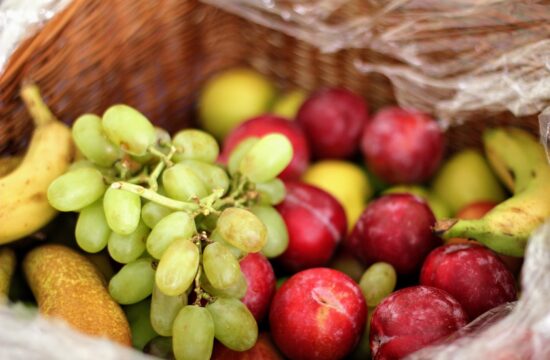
x=155 y=56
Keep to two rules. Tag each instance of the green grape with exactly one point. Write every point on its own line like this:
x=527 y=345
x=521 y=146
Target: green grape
x=234 y=325
x=81 y=164
x=220 y=266
x=129 y=129
x=91 y=141
x=272 y=192
x=161 y=136
x=377 y=282
x=193 y=334
x=239 y=152
x=164 y=309
x=196 y=145
x=76 y=189
x=133 y=282
x=182 y=183
x=152 y=213
x=237 y=290
x=127 y=248
x=242 y=229
x=267 y=158
x=122 y=210
x=92 y=231
x=213 y=176
x=237 y=253
x=177 y=267
x=176 y=225
x=106 y=171
x=277 y=234
x=140 y=325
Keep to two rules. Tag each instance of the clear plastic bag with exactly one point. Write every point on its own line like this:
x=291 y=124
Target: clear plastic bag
x=518 y=330
x=25 y=335
x=20 y=19
x=454 y=59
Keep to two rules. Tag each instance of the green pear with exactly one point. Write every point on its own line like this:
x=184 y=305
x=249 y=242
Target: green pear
x=466 y=178
x=232 y=97
x=438 y=206
x=288 y=104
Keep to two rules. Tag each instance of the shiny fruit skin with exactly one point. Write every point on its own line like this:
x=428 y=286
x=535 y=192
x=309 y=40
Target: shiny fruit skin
x=397 y=229
x=260 y=278
x=472 y=274
x=333 y=120
x=316 y=224
x=412 y=318
x=344 y=180
x=317 y=314
x=263 y=350
x=402 y=146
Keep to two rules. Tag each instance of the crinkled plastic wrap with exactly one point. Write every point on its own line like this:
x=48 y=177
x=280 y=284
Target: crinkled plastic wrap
x=512 y=331
x=24 y=335
x=452 y=58
x=20 y=19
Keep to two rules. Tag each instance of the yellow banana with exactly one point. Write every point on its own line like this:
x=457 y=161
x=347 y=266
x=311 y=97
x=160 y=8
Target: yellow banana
x=9 y=163
x=507 y=227
x=24 y=207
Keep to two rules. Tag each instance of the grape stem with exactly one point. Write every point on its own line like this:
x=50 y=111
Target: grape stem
x=156 y=197
x=235 y=198
x=207 y=204
x=166 y=158
x=139 y=179
x=166 y=161
x=198 y=289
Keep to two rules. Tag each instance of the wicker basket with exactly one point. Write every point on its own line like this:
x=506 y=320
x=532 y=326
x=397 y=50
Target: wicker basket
x=155 y=56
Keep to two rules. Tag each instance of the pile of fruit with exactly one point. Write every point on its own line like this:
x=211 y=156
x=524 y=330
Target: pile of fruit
x=297 y=225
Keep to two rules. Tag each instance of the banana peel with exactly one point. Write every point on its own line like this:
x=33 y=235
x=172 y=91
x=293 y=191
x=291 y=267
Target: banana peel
x=521 y=163
x=24 y=206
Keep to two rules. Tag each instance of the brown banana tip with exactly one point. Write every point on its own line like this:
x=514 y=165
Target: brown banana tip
x=442 y=226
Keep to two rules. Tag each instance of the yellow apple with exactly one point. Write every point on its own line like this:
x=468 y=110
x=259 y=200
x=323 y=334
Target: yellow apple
x=232 y=97
x=344 y=180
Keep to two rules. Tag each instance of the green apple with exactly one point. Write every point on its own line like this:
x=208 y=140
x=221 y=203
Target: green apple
x=288 y=104
x=438 y=206
x=466 y=178
x=234 y=96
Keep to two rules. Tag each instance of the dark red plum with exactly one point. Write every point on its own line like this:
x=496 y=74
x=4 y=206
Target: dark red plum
x=412 y=318
x=316 y=224
x=260 y=279
x=472 y=274
x=397 y=229
x=317 y=314
x=402 y=146
x=333 y=120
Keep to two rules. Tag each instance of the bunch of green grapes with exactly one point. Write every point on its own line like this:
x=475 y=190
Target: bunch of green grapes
x=178 y=221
